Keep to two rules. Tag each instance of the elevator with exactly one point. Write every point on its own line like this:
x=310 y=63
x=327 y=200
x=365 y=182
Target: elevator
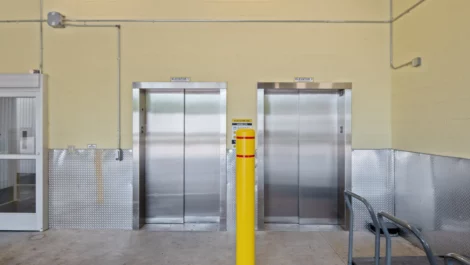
x=179 y=153
x=304 y=152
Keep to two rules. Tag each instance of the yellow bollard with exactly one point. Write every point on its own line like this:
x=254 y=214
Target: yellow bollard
x=245 y=184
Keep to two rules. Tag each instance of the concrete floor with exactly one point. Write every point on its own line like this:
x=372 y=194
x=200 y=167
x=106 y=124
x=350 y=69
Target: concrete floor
x=183 y=248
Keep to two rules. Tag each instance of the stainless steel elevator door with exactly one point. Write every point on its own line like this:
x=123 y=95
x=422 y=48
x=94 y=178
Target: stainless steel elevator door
x=318 y=165
x=164 y=157
x=281 y=157
x=202 y=157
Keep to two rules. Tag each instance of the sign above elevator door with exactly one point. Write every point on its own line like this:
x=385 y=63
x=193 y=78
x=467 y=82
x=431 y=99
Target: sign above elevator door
x=181 y=79
x=303 y=79
x=240 y=124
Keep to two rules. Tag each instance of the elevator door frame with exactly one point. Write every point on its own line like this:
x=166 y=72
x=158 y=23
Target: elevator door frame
x=140 y=91
x=344 y=141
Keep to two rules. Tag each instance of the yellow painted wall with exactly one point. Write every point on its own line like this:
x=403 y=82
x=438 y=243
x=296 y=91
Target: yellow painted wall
x=81 y=63
x=431 y=104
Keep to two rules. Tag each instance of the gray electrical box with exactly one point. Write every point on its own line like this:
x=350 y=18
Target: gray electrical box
x=56 y=20
x=416 y=62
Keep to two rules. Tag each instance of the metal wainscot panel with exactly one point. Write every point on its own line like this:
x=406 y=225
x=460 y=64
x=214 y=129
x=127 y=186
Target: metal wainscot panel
x=89 y=189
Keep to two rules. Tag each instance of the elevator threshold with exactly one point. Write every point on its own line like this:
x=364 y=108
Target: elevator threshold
x=302 y=228
x=181 y=227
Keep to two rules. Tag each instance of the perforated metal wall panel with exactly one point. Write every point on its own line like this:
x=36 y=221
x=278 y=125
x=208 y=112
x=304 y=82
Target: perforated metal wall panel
x=89 y=189
x=432 y=194
x=414 y=189
x=373 y=179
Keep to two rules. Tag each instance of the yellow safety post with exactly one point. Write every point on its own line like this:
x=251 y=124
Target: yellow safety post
x=245 y=184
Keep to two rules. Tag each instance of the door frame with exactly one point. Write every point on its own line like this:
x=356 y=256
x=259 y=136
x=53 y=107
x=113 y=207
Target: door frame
x=345 y=90
x=140 y=89
x=31 y=86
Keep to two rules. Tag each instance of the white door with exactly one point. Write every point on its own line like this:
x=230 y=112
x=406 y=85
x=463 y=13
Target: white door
x=21 y=160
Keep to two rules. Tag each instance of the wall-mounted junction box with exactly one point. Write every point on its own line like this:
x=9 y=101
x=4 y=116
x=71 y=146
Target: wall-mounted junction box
x=56 y=20
x=416 y=62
